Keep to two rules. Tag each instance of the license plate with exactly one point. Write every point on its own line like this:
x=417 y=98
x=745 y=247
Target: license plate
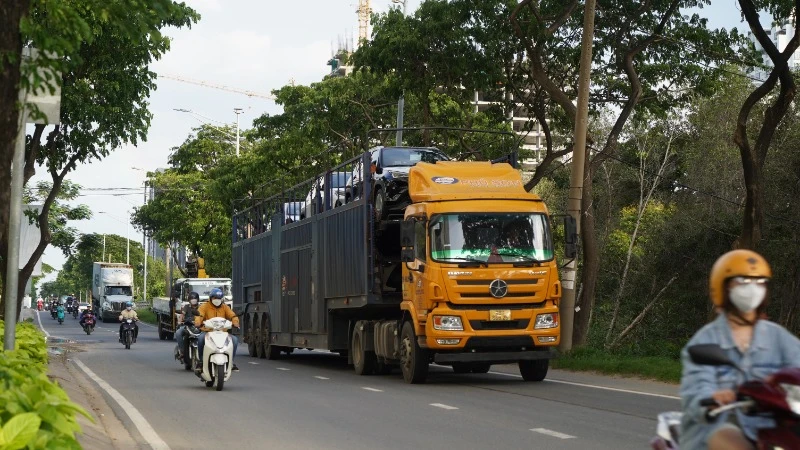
x=499 y=314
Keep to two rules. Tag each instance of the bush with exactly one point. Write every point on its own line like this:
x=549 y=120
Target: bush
x=35 y=413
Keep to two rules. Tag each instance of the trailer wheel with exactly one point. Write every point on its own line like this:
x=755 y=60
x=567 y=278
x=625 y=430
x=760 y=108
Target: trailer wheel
x=413 y=359
x=363 y=361
x=534 y=370
x=258 y=339
x=252 y=350
x=271 y=351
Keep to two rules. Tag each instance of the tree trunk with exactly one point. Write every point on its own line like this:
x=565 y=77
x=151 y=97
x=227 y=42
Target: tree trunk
x=11 y=12
x=591 y=263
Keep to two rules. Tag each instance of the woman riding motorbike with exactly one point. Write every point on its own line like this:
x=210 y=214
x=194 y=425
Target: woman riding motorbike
x=738 y=289
x=189 y=313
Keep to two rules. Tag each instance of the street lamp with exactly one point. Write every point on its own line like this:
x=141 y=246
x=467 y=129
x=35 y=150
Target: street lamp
x=127 y=231
x=237 y=111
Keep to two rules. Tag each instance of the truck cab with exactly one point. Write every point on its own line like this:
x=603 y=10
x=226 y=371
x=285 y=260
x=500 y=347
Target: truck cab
x=480 y=280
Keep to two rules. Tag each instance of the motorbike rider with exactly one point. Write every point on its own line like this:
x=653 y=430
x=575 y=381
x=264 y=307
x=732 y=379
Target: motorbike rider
x=189 y=311
x=738 y=290
x=129 y=313
x=215 y=307
x=85 y=315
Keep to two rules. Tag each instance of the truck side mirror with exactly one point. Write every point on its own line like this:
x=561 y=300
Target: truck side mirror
x=407 y=233
x=570 y=237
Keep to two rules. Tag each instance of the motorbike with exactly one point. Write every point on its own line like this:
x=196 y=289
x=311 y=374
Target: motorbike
x=88 y=324
x=186 y=351
x=128 y=328
x=75 y=312
x=217 y=364
x=54 y=313
x=776 y=397
x=60 y=314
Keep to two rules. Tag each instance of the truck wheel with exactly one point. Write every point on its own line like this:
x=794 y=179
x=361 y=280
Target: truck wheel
x=413 y=359
x=271 y=352
x=534 y=370
x=161 y=333
x=363 y=361
x=252 y=351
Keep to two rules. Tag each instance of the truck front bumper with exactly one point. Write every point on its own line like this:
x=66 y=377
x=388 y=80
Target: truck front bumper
x=500 y=357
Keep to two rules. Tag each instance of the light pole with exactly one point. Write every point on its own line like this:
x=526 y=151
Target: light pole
x=144 y=244
x=237 y=111
x=127 y=235
x=401 y=101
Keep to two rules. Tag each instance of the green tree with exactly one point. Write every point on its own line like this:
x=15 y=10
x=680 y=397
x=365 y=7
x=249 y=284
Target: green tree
x=103 y=55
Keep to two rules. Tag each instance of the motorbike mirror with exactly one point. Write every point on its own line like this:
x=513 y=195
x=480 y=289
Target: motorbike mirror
x=709 y=355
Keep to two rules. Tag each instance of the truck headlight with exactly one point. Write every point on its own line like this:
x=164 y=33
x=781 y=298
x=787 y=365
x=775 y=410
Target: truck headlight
x=448 y=323
x=545 y=321
x=792 y=396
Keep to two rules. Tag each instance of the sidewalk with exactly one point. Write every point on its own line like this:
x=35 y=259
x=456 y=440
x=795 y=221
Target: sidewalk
x=107 y=431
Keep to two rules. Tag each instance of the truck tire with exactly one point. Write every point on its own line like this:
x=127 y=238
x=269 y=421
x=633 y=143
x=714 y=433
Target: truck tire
x=413 y=359
x=363 y=361
x=271 y=352
x=252 y=350
x=161 y=333
x=535 y=370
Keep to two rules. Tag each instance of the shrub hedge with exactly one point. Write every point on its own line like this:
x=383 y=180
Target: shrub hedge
x=35 y=413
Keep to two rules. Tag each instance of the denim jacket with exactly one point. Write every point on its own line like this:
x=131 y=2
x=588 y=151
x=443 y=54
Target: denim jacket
x=771 y=349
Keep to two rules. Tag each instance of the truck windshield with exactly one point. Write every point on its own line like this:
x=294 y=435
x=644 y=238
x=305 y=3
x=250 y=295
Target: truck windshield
x=118 y=290
x=491 y=238
x=205 y=289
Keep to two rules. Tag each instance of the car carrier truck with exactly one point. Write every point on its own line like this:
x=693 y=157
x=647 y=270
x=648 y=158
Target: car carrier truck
x=468 y=278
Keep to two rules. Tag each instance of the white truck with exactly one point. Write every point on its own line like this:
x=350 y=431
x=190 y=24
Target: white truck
x=168 y=310
x=112 y=288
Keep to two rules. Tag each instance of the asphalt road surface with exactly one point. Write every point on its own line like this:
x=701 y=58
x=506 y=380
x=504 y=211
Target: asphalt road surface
x=315 y=400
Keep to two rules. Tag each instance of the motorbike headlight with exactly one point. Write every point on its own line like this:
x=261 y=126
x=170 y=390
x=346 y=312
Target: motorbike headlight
x=448 y=323
x=792 y=396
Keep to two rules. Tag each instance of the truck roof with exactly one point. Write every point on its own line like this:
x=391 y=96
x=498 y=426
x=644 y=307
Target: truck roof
x=453 y=180
x=105 y=264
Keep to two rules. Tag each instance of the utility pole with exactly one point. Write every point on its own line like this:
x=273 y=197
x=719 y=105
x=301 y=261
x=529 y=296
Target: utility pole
x=237 y=111
x=168 y=258
x=567 y=305
x=144 y=246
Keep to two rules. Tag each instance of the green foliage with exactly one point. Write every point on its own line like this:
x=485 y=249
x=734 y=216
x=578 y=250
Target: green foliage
x=593 y=360
x=35 y=413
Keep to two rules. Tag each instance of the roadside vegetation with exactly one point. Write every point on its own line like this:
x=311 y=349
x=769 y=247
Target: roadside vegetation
x=34 y=411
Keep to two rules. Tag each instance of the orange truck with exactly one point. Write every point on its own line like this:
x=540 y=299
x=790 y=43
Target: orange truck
x=467 y=278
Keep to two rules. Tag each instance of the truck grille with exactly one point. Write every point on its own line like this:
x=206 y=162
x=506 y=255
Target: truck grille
x=487 y=307
x=117 y=306
x=520 y=324
x=527 y=288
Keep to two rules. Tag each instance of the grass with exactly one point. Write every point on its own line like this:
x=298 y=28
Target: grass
x=593 y=360
x=146 y=315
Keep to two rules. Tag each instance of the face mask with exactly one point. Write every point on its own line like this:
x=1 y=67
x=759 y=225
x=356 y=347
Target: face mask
x=128 y=308
x=216 y=301
x=193 y=302
x=747 y=297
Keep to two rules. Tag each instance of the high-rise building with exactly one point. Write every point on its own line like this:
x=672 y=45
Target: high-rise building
x=780 y=34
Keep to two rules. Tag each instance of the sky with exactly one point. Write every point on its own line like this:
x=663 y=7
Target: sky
x=255 y=45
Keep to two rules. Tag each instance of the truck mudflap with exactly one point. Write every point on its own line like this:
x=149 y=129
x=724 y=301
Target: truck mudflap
x=503 y=357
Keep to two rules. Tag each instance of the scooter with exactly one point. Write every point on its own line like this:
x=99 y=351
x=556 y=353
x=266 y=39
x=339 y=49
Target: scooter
x=60 y=314
x=777 y=397
x=88 y=324
x=54 y=313
x=75 y=312
x=217 y=364
x=128 y=328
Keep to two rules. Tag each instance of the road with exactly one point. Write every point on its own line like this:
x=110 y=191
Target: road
x=314 y=400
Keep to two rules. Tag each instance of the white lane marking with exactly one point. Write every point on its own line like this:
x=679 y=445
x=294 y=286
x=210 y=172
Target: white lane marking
x=39 y=319
x=147 y=431
x=252 y=362
x=605 y=388
x=371 y=389
x=552 y=433
x=283 y=368
x=321 y=378
x=443 y=406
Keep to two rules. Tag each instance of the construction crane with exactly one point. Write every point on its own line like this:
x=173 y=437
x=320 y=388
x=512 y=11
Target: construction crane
x=364 y=10
x=217 y=86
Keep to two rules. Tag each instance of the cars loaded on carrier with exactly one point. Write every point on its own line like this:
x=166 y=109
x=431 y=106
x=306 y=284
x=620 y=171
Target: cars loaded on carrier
x=389 y=167
x=317 y=196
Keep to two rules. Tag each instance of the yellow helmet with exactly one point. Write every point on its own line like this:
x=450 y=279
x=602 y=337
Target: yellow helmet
x=736 y=263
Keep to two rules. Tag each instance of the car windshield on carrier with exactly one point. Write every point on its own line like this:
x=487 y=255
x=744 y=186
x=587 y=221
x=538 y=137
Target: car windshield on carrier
x=405 y=157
